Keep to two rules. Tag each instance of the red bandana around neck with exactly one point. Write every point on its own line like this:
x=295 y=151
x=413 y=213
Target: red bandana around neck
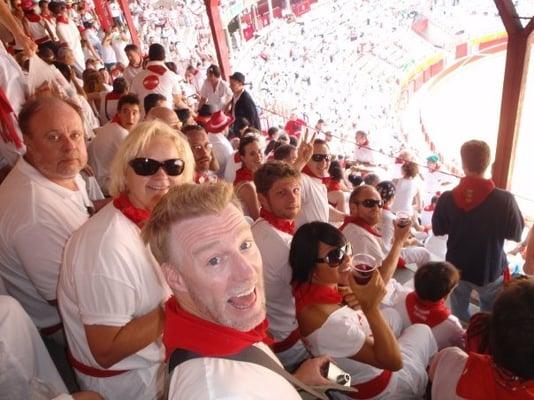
x=186 y=331
x=471 y=192
x=7 y=122
x=62 y=19
x=480 y=368
x=311 y=293
x=243 y=174
x=333 y=185
x=325 y=179
x=360 y=222
x=157 y=69
x=112 y=96
x=138 y=216
x=282 y=224
x=430 y=313
x=117 y=120
x=31 y=16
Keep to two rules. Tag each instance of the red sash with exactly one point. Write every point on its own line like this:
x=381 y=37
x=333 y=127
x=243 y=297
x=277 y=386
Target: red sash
x=243 y=174
x=284 y=225
x=91 y=371
x=471 y=192
x=482 y=380
x=185 y=331
x=311 y=293
x=138 y=216
x=372 y=388
x=430 y=313
x=325 y=179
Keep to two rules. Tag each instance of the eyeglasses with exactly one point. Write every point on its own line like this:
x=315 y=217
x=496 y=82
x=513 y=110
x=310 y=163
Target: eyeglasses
x=321 y=157
x=370 y=203
x=199 y=147
x=148 y=166
x=335 y=256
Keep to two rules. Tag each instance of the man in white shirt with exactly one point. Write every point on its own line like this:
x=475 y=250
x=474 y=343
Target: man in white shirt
x=207 y=253
x=42 y=201
x=278 y=188
x=214 y=90
x=157 y=78
x=205 y=161
x=109 y=137
x=362 y=152
x=135 y=66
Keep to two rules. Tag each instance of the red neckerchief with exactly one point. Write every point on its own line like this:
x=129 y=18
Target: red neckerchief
x=325 y=180
x=112 y=96
x=186 y=331
x=496 y=383
x=62 y=19
x=333 y=185
x=311 y=293
x=157 y=69
x=118 y=121
x=48 y=17
x=471 y=192
x=431 y=207
x=138 y=216
x=430 y=313
x=282 y=224
x=243 y=174
x=9 y=132
x=360 y=222
x=31 y=16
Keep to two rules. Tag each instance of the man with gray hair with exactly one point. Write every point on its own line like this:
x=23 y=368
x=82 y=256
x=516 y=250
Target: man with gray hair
x=217 y=315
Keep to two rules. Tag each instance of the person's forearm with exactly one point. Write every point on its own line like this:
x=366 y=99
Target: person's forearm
x=389 y=265
x=386 y=346
x=8 y=20
x=335 y=215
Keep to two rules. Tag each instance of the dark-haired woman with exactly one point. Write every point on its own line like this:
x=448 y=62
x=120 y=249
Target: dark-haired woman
x=336 y=187
x=380 y=366
x=251 y=158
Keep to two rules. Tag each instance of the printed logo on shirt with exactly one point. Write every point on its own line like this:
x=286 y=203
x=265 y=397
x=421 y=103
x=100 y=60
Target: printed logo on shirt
x=151 y=82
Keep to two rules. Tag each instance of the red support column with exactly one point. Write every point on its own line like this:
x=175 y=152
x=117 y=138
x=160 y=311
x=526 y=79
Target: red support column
x=219 y=39
x=129 y=21
x=102 y=12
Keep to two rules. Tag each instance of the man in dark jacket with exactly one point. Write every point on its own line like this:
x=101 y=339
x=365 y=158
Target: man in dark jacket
x=242 y=105
x=478 y=218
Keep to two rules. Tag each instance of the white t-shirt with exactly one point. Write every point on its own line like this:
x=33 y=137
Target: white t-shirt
x=222 y=149
x=164 y=82
x=69 y=34
x=364 y=155
x=37 y=31
x=387 y=228
x=451 y=364
x=274 y=248
x=108 y=108
x=314 y=198
x=218 y=378
x=37 y=217
x=219 y=97
x=447 y=333
x=130 y=72
x=125 y=283
x=102 y=150
x=406 y=189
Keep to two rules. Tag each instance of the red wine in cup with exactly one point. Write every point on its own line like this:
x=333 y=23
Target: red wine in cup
x=403 y=222
x=362 y=273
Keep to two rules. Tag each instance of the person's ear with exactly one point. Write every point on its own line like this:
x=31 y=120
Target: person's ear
x=173 y=277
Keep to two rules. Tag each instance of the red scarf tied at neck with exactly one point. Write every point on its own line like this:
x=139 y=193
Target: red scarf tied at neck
x=311 y=293
x=325 y=179
x=282 y=224
x=188 y=332
x=243 y=174
x=471 y=192
x=138 y=216
x=430 y=313
x=31 y=16
x=62 y=19
x=360 y=222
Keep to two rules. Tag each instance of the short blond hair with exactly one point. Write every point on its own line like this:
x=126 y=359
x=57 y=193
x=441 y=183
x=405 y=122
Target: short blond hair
x=137 y=140
x=182 y=203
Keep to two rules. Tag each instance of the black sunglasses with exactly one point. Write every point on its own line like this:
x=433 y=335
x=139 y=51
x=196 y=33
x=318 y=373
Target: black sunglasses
x=148 y=166
x=370 y=203
x=335 y=256
x=321 y=157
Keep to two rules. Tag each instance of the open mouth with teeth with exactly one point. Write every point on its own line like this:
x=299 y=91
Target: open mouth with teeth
x=243 y=300
x=157 y=187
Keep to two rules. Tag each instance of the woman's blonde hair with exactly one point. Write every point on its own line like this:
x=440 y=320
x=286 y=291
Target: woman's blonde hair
x=136 y=141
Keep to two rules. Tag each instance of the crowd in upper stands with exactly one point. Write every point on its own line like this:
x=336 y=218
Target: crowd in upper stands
x=150 y=222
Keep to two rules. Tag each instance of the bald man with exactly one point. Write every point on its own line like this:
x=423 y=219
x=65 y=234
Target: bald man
x=164 y=114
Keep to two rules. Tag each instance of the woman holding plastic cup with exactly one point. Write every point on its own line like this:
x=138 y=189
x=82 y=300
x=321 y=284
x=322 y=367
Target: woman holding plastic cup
x=361 y=341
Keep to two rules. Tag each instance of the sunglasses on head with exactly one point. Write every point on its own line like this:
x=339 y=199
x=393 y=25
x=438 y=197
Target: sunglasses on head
x=335 y=256
x=148 y=166
x=370 y=203
x=321 y=157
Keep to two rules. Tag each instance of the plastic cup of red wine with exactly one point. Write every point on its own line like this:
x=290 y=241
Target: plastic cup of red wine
x=403 y=219
x=363 y=266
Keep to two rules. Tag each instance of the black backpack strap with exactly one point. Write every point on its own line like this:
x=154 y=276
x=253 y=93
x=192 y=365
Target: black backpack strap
x=180 y=356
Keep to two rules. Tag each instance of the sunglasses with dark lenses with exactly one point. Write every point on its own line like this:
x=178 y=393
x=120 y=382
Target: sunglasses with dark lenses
x=321 y=157
x=148 y=166
x=335 y=256
x=370 y=203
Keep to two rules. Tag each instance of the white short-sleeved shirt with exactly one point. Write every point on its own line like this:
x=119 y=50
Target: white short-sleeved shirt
x=222 y=149
x=274 y=248
x=217 y=98
x=108 y=108
x=387 y=228
x=406 y=189
x=217 y=378
x=37 y=31
x=37 y=217
x=164 y=82
x=130 y=72
x=68 y=33
x=102 y=150
x=314 y=197
x=447 y=333
x=125 y=283
x=364 y=155
x=451 y=364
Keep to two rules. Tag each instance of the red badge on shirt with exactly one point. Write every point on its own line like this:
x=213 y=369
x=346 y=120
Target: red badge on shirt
x=151 y=82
